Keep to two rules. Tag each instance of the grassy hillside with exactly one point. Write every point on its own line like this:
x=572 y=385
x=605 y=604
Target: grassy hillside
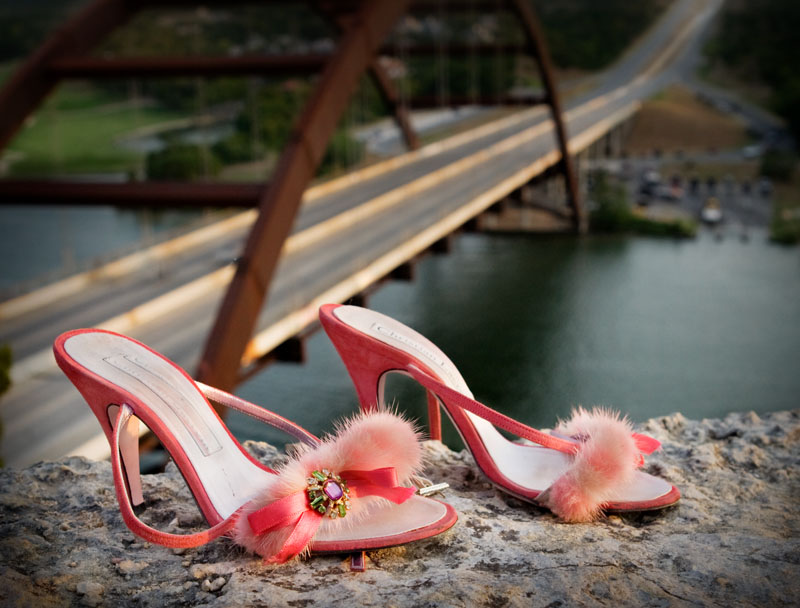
x=588 y=34
x=676 y=120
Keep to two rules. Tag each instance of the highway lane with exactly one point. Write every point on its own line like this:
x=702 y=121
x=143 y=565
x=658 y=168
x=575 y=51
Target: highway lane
x=48 y=406
x=301 y=276
x=32 y=332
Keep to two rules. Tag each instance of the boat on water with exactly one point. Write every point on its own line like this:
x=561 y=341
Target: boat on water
x=712 y=211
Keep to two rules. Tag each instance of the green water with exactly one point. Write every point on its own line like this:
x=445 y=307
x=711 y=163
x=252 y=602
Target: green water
x=538 y=325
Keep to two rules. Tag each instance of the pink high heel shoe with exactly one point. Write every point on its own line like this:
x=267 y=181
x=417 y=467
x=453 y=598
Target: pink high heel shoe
x=346 y=493
x=587 y=465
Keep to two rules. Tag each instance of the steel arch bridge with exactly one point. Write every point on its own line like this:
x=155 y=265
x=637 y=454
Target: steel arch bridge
x=362 y=28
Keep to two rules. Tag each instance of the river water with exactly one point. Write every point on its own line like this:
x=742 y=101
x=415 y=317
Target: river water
x=42 y=244
x=537 y=325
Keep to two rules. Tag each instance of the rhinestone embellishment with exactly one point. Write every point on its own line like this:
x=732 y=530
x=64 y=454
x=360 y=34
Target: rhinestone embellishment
x=328 y=494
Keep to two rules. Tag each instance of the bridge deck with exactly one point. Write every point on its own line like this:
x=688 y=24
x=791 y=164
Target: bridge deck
x=343 y=241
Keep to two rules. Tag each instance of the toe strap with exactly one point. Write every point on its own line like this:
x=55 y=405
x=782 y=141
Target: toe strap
x=332 y=486
x=294 y=521
x=607 y=459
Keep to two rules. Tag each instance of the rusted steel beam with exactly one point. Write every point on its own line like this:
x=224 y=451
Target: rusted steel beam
x=538 y=48
x=380 y=78
x=457 y=49
x=430 y=6
x=392 y=99
x=245 y=297
x=280 y=65
x=434 y=101
x=486 y=6
x=345 y=6
x=145 y=194
x=124 y=67
x=32 y=81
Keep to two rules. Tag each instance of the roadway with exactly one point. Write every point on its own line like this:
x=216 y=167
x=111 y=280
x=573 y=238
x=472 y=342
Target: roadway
x=343 y=240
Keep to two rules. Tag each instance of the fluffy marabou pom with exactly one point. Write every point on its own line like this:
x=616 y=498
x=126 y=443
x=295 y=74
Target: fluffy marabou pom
x=606 y=460
x=367 y=441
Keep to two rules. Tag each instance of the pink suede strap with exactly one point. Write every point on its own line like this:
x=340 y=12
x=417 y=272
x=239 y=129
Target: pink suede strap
x=294 y=510
x=135 y=524
x=645 y=444
x=378 y=482
x=454 y=397
x=257 y=412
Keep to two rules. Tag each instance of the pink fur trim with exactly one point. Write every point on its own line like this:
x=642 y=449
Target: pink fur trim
x=607 y=460
x=367 y=441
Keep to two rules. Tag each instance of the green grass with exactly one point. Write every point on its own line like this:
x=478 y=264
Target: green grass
x=76 y=132
x=79 y=96
x=613 y=214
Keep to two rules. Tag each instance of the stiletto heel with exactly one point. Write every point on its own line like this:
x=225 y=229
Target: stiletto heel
x=129 y=449
x=360 y=475
x=434 y=417
x=587 y=465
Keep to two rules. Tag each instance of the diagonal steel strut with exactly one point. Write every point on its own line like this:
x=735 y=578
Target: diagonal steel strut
x=536 y=43
x=239 y=311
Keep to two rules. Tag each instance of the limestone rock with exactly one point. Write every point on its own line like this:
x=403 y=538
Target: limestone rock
x=733 y=540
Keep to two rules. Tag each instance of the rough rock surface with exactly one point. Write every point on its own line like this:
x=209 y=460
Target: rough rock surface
x=733 y=540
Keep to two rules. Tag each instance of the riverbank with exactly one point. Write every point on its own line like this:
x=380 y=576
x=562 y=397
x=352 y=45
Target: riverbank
x=732 y=540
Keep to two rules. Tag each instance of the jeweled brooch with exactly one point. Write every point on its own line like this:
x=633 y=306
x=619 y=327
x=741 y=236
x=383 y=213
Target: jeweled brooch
x=328 y=494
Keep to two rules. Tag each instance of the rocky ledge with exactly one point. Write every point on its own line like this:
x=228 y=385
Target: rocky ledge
x=733 y=539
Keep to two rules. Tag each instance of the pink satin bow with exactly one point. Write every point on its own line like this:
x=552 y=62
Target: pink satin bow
x=646 y=445
x=294 y=510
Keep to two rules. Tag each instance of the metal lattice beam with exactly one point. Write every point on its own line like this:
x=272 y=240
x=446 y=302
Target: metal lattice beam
x=434 y=101
x=364 y=27
x=160 y=67
x=236 y=321
x=538 y=49
x=380 y=78
x=137 y=194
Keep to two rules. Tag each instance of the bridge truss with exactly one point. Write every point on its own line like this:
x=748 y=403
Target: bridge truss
x=362 y=28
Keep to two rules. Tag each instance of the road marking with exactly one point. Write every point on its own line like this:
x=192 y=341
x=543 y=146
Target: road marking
x=241 y=221
x=388 y=262
x=60 y=289
x=66 y=287
x=294 y=323
x=130 y=263
x=690 y=24
x=42 y=361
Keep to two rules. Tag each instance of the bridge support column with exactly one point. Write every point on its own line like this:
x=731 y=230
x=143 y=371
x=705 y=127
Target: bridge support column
x=228 y=341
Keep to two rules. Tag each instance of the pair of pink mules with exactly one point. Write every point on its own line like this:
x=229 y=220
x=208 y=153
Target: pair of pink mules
x=353 y=490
